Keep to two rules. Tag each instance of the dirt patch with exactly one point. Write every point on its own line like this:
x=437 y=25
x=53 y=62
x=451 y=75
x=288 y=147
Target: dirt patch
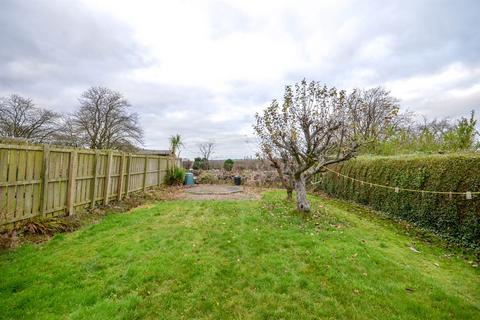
x=220 y=192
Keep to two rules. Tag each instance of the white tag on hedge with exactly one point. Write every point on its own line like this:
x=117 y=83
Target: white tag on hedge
x=468 y=195
x=397 y=189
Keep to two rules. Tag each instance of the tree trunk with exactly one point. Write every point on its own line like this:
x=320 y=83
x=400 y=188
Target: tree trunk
x=289 y=194
x=302 y=203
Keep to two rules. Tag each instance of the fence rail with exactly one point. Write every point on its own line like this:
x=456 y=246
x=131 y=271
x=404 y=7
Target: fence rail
x=48 y=181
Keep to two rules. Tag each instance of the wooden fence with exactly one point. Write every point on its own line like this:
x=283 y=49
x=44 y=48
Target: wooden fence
x=48 y=181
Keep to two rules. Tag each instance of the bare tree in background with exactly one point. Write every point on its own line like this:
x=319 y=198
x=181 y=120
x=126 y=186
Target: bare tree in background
x=373 y=113
x=436 y=127
x=312 y=128
x=20 y=118
x=103 y=121
x=67 y=134
x=207 y=149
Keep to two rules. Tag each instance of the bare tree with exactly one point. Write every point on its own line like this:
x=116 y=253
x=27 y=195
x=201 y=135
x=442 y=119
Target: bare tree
x=206 y=150
x=374 y=112
x=312 y=128
x=20 y=118
x=103 y=121
x=436 y=127
x=67 y=134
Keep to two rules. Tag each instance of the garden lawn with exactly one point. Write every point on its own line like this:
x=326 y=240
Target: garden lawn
x=238 y=259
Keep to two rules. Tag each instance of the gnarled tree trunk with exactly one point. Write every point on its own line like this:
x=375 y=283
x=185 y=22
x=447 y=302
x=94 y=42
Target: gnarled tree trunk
x=289 y=184
x=289 y=194
x=302 y=203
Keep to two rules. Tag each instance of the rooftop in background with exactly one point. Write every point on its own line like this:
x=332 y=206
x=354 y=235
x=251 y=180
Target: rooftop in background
x=155 y=152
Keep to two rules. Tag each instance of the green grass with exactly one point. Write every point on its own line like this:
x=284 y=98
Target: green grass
x=238 y=259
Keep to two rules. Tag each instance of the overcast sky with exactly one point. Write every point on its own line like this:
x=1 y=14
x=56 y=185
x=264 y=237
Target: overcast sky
x=203 y=68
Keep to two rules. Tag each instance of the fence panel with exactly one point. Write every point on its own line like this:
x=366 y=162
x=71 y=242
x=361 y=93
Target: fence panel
x=36 y=180
x=20 y=183
x=164 y=163
x=152 y=172
x=136 y=173
x=114 y=175
x=56 y=195
x=84 y=178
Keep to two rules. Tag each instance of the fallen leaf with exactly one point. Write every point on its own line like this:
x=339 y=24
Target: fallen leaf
x=414 y=250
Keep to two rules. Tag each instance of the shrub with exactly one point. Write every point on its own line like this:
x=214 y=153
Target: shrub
x=175 y=176
x=454 y=216
x=207 y=177
x=48 y=225
x=200 y=163
x=462 y=136
x=228 y=164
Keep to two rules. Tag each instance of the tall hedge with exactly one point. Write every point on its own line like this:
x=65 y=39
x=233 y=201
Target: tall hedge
x=457 y=217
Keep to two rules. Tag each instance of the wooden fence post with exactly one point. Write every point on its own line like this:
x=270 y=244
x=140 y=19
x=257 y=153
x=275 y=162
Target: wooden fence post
x=127 y=183
x=159 y=171
x=120 y=181
x=72 y=177
x=45 y=174
x=95 y=179
x=145 y=174
x=108 y=176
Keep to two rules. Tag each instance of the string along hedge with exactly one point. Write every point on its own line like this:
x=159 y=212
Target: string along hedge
x=450 y=213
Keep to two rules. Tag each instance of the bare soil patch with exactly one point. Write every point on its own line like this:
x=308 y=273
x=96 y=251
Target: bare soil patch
x=220 y=192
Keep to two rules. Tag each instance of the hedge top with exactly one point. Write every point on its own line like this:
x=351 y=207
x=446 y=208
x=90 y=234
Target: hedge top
x=429 y=159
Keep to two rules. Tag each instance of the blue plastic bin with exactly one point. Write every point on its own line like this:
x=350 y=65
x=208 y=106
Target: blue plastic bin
x=189 y=179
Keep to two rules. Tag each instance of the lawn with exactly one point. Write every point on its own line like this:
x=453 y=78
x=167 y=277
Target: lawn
x=238 y=259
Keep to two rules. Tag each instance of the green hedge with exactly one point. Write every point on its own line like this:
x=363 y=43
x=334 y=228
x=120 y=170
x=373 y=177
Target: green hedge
x=456 y=217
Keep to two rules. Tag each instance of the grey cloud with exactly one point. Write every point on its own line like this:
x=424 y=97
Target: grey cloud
x=55 y=45
x=450 y=107
x=54 y=50
x=425 y=36
x=158 y=107
x=225 y=19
